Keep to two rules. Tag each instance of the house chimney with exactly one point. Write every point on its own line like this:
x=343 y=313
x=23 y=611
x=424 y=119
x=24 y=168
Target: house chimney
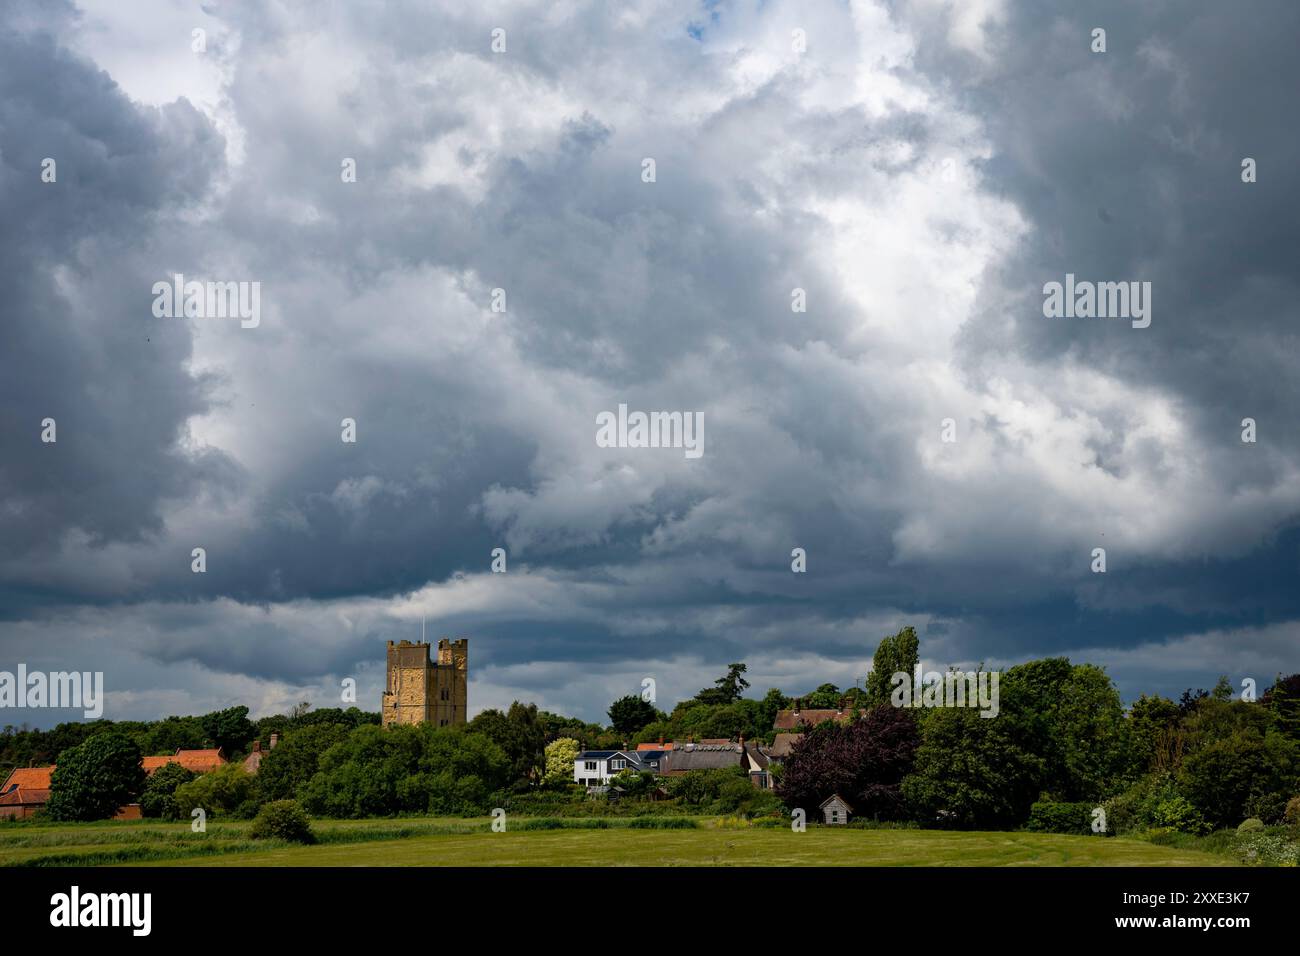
x=257 y=746
x=661 y=741
x=625 y=745
x=275 y=739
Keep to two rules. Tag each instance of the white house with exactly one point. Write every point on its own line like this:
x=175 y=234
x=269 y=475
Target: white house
x=593 y=768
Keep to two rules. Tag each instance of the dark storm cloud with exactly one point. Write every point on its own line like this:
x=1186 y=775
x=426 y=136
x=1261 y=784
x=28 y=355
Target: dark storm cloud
x=76 y=281
x=1129 y=165
x=522 y=171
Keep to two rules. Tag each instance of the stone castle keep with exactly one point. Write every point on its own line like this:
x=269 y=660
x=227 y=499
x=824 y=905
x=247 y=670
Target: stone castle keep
x=420 y=690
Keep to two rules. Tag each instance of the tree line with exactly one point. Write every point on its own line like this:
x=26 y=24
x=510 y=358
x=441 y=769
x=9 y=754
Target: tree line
x=1061 y=744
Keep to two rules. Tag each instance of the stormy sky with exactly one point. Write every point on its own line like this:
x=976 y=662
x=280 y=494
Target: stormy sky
x=920 y=168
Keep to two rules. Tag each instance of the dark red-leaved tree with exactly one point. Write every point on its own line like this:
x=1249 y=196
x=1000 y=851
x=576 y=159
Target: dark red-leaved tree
x=863 y=761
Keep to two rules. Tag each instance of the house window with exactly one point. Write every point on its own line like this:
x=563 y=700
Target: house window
x=589 y=765
x=835 y=816
x=617 y=764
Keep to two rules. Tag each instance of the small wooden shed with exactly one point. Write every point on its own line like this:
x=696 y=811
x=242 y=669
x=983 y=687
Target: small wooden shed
x=836 y=810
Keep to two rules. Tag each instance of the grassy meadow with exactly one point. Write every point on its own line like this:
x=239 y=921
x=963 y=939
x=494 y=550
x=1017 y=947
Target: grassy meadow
x=700 y=841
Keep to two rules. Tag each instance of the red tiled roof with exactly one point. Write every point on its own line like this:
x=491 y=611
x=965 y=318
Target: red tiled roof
x=667 y=746
x=200 y=761
x=26 y=786
x=33 y=778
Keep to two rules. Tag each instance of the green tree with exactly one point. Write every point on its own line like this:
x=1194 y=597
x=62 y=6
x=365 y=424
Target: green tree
x=972 y=771
x=350 y=718
x=726 y=689
x=286 y=768
x=634 y=783
x=702 y=787
x=274 y=724
x=630 y=714
x=282 y=820
x=1222 y=688
x=1091 y=733
x=557 y=725
x=24 y=747
x=651 y=733
x=172 y=734
x=1150 y=719
x=772 y=702
x=95 y=779
x=1247 y=773
x=229 y=729
x=897 y=654
x=1283 y=701
x=378 y=771
x=825 y=697
x=222 y=791
x=1060 y=730
x=1072 y=717
x=520 y=733
x=157 y=798
x=560 y=755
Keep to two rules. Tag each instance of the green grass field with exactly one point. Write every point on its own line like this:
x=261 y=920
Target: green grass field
x=445 y=842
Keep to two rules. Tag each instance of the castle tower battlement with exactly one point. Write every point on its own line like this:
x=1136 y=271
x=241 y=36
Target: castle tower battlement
x=420 y=690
